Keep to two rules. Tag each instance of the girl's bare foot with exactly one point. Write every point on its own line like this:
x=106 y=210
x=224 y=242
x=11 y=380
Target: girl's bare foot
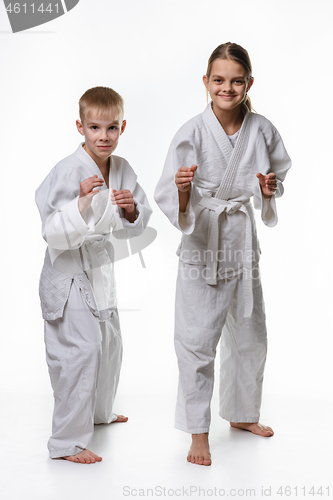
x=84 y=457
x=120 y=418
x=199 y=452
x=255 y=428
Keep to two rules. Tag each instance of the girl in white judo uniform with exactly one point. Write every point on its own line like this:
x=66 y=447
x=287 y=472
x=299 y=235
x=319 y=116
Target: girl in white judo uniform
x=216 y=162
x=85 y=197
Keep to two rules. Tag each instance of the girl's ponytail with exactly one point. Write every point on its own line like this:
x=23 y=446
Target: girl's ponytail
x=247 y=102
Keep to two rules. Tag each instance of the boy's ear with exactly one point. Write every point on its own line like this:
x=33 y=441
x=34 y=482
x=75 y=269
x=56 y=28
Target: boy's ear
x=123 y=126
x=79 y=126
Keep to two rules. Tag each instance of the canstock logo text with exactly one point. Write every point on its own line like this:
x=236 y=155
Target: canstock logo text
x=28 y=14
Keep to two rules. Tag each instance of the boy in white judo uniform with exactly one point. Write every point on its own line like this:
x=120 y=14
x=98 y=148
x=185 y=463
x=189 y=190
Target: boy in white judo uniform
x=216 y=162
x=84 y=198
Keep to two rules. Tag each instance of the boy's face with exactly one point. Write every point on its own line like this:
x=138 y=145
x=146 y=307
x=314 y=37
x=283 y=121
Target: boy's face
x=101 y=129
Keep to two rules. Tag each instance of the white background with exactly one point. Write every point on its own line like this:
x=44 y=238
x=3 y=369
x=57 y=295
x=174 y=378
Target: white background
x=154 y=54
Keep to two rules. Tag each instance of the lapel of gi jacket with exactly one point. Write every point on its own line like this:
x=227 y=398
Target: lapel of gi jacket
x=230 y=155
x=89 y=162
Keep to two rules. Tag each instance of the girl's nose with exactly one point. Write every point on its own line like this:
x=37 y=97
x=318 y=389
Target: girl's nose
x=227 y=86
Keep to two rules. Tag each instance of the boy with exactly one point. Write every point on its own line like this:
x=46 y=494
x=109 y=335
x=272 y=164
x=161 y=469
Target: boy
x=85 y=197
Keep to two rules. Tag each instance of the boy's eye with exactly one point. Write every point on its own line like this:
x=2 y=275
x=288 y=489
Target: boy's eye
x=113 y=127
x=94 y=127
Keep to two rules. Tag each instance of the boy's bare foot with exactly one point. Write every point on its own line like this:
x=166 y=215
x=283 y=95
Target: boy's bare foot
x=120 y=418
x=255 y=428
x=84 y=457
x=87 y=456
x=199 y=452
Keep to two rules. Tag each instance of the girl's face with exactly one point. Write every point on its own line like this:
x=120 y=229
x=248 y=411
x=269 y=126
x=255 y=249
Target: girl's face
x=227 y=85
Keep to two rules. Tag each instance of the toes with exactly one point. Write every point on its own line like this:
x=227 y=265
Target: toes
x=93 y=457
x=121 y=418
x=199 y=460
x=85 y=457
x=267 y=431
x=72 y=458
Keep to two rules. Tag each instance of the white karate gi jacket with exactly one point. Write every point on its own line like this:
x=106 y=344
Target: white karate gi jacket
x=218 y=225
x=78 y=248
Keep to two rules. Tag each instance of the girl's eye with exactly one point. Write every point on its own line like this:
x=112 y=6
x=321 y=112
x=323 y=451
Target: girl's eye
x=239 y=82
x=217 y=80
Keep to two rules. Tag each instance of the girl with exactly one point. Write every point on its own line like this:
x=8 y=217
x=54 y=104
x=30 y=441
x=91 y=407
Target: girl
x=216 y=162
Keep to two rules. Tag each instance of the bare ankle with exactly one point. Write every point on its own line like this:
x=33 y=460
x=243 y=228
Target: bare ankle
x=199 y=452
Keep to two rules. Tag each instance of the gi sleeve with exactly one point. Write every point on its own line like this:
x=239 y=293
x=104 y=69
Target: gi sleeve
x=274 y=159
x=181 y=154
x=63 y=227
x=125 y=229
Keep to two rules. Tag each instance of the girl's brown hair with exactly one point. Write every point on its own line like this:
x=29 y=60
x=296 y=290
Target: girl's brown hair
x=235 y=53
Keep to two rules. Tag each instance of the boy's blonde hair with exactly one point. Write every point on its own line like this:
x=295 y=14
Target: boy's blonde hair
x=102 y=98
x=235 y=53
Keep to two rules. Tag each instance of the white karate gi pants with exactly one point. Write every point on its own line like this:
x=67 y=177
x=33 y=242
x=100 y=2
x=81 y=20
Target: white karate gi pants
x=202 y=311
x=84 y=359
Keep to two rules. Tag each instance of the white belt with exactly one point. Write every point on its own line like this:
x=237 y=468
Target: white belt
x=216 y=207
x=97 y=251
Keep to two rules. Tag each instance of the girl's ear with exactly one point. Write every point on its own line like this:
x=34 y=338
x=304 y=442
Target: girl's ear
x=249 y=85
x=205 y=79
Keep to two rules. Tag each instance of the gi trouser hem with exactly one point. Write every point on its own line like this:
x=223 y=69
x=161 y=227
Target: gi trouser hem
x=198 y=430
x=113 y=418
x=66 y=453
x=238 y=419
